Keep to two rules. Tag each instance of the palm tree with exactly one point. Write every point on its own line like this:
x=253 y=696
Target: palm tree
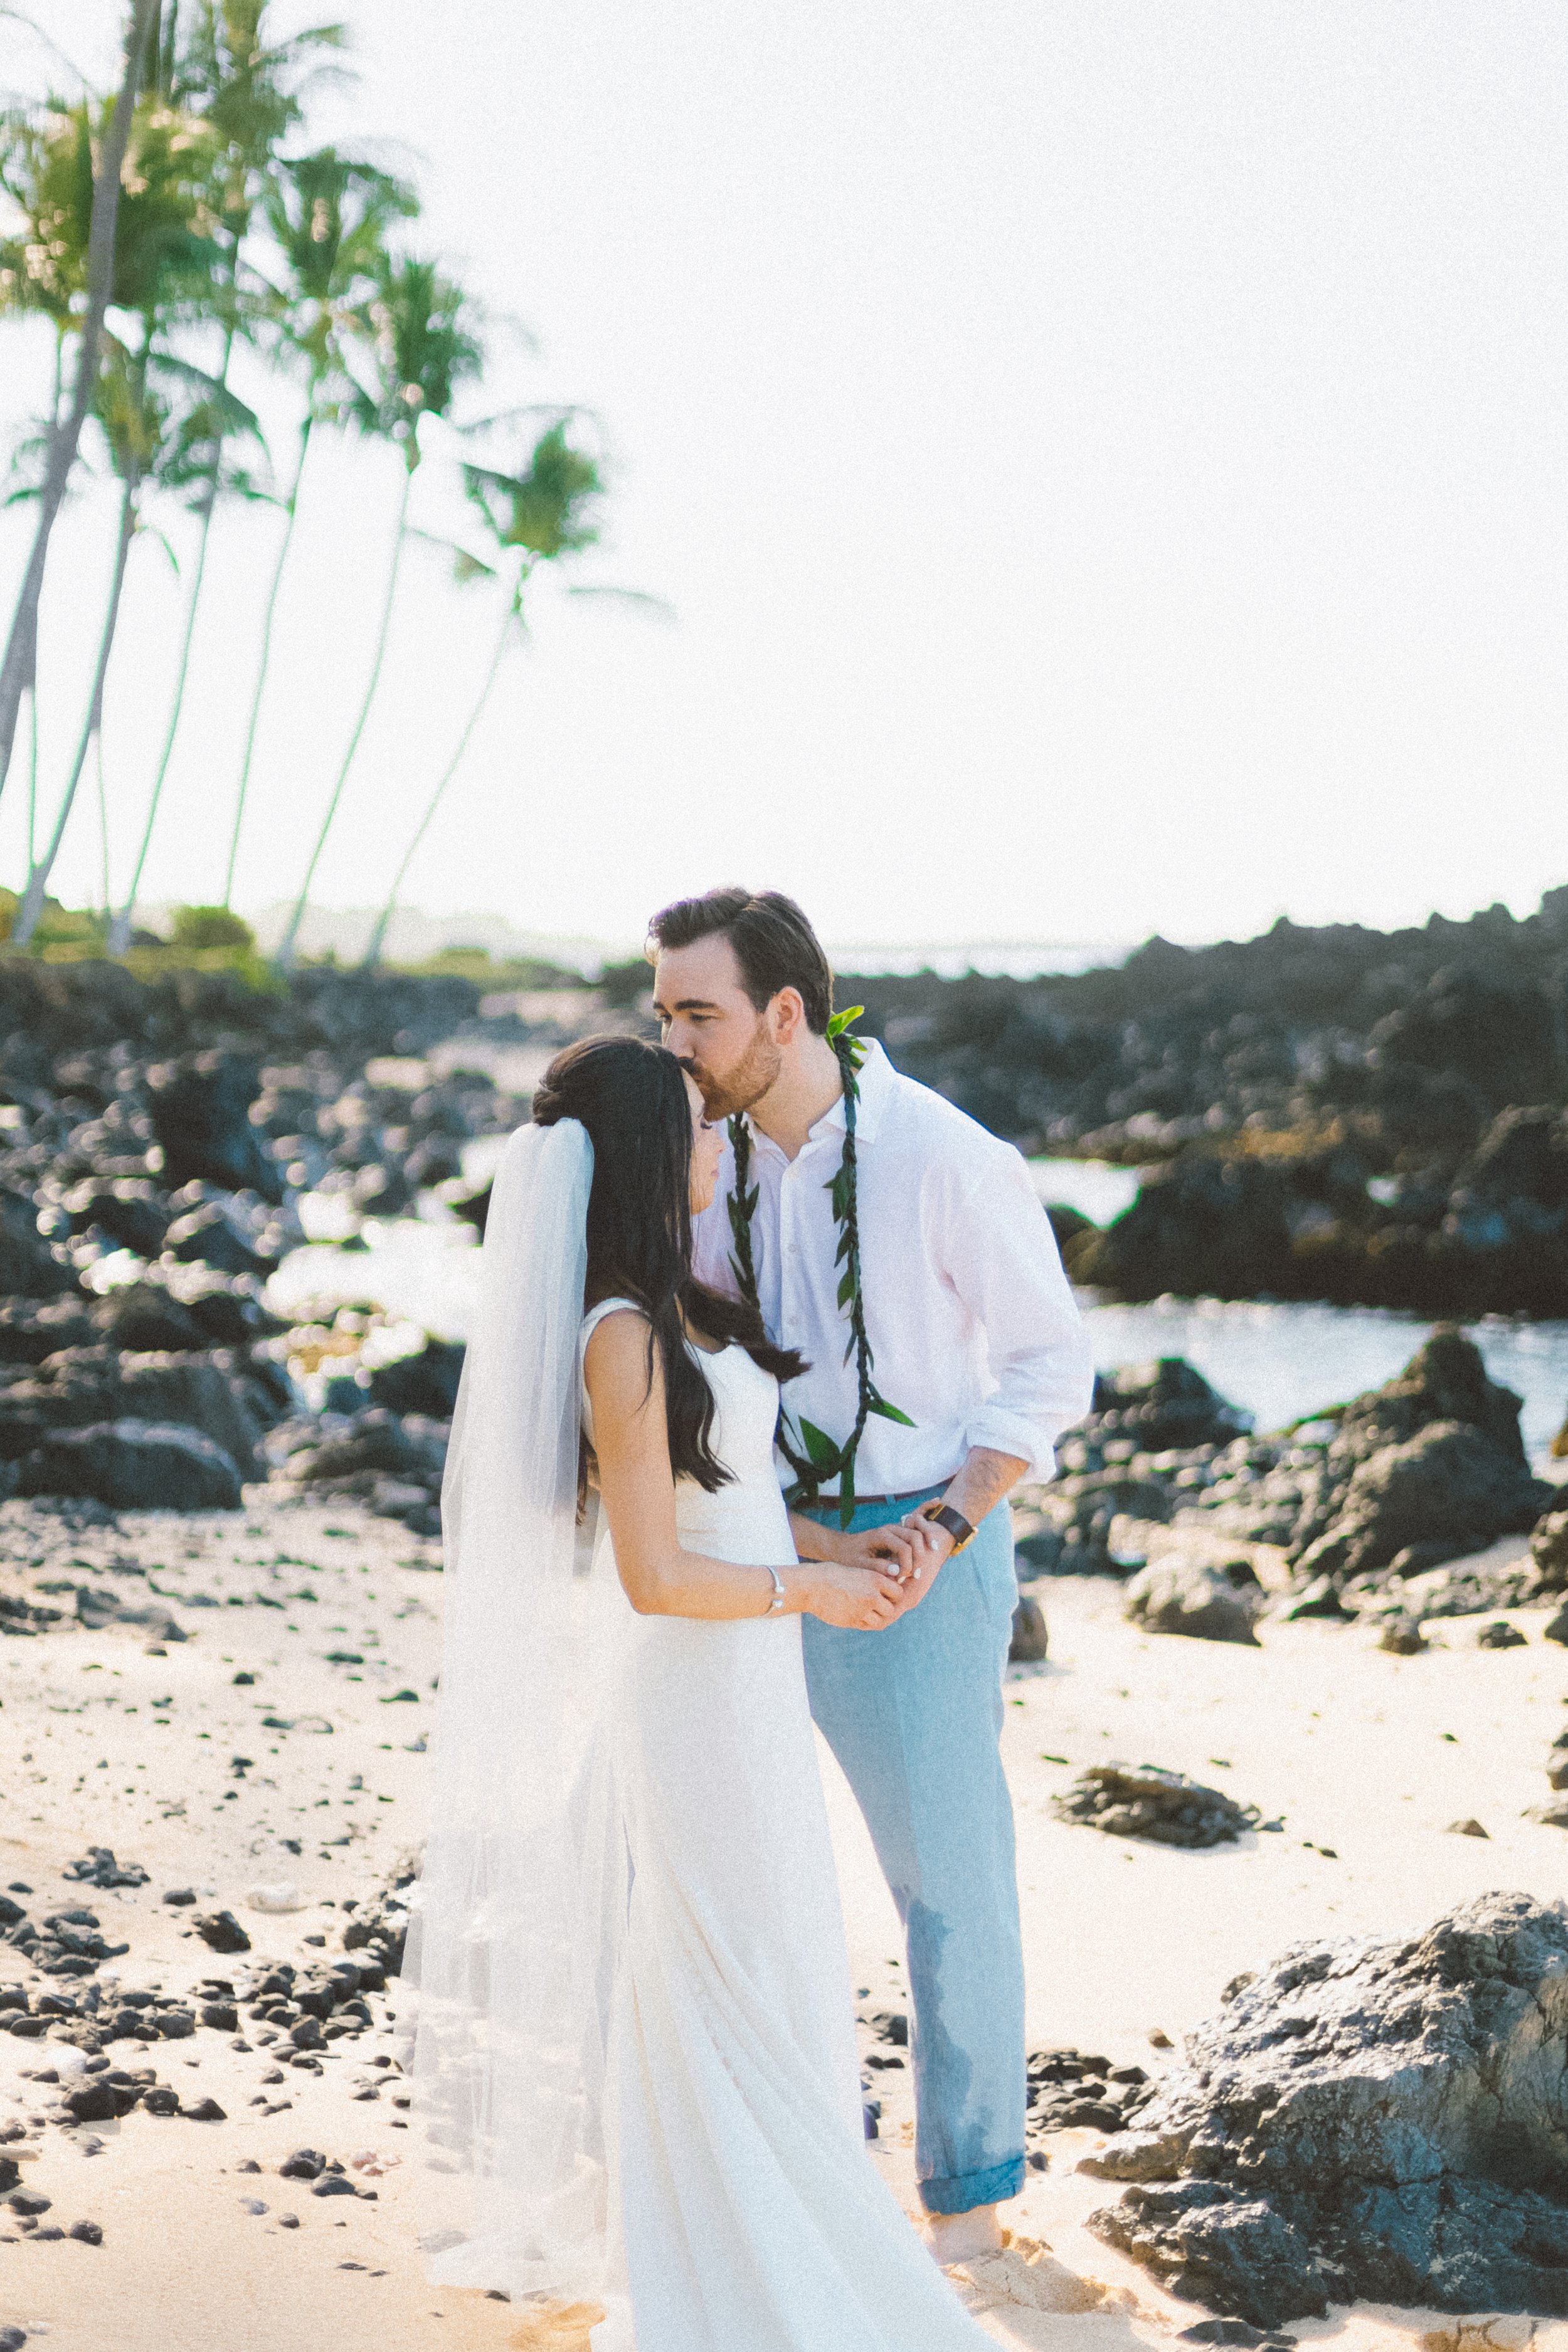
x=19 y=669
x=327 y=216
x=542 y=513
x=146 y=400
x=426 y=346
x=246 y=98
x=133 y=419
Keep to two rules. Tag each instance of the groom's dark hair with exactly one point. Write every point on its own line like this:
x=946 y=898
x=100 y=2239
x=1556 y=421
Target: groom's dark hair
x=774 y=945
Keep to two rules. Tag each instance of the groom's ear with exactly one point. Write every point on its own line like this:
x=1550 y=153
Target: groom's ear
x=787 y=1013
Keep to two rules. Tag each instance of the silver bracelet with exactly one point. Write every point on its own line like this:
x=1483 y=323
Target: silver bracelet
x=780 y=1595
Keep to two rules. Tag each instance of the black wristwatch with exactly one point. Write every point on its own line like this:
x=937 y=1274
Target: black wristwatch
x=952 y=1523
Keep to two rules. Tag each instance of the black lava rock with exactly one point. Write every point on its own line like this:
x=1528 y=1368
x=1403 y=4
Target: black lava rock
x=425 y=1383
x=201 y=1116
x=1370 y=2119
x=221 y=1931
x=134 y=1466
x=1150 y=1802
x=1030 y=1641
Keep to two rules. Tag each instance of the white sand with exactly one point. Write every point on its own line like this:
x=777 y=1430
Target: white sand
x=1317 y=1725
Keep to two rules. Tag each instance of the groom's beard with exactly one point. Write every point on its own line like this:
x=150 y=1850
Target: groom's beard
x=747 y=1083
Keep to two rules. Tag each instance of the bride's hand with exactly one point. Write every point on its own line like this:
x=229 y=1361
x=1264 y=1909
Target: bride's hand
x=860 y=1600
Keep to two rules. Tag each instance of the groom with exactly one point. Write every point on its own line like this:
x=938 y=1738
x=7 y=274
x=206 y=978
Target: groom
x=901 y=1248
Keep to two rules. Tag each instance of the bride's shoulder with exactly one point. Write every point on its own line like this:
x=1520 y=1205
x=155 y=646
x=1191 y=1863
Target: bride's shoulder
x=612 y=1315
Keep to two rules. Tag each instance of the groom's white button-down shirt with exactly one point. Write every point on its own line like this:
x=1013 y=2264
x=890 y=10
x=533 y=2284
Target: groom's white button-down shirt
x=972 y=1325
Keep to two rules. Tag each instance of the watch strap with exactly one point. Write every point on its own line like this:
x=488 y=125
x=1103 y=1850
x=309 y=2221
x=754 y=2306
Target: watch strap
x=952 y=1522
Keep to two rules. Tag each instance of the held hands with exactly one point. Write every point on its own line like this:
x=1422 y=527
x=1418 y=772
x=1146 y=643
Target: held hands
x=870 y=1579
x=860 y=1600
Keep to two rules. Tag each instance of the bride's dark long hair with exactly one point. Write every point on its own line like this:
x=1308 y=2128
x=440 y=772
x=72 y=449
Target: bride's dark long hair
x=631 y=1096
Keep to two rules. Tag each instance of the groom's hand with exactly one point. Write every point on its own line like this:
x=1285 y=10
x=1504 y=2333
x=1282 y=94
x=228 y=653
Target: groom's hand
x=906 y=1552
x=894 y=1550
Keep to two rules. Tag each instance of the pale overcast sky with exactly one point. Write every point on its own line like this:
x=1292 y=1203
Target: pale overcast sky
x=1107 y=462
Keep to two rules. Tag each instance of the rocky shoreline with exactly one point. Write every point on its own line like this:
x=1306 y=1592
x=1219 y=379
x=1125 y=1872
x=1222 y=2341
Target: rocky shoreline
x=157 y=1146
x=1335 y=1113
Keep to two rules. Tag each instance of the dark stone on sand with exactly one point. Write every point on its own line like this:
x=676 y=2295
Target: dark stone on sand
x=1179 y=1594
x=1500 y=1636
x=1549 y=1550
x=136 y=1465
x=1380 y=2120
x=1469 y=1827
x=13 y=2339
x=377 y=1440
x=1030 y=1641
x=221 y=1931
x=31 y=1330
x=1231 y=2331
x=87 y=2233
x=1445 y=1380
x=425 y=1383
x=1150 y=1802
x=1167 y=1402
x=145 y=1317
x=99 y=2102
x=334 y=2184
x=28 y=1267
x=162 y=2099
x=201 y=1116
x=1073 y=2090
x=212 y=1236
x=221 y=2015
x=212 y=1391
x=182 y=1897
x=28 y=2202
x=97 y=1867
x=205 y=2111
x=1402 y=1637
x=1450 y=1485
x=1556 y=1628
x=127 y=1211
x=305 y=2163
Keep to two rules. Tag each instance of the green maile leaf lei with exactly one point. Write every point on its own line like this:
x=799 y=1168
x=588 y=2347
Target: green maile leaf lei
x=816 y=1458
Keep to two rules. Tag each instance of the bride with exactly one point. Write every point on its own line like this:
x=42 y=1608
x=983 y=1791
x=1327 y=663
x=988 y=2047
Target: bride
x=635 y=2066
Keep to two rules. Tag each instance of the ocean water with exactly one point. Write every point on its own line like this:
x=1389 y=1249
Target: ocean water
x=1280 y=1361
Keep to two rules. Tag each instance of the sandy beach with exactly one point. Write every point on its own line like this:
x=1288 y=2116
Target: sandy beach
x=299 y=1617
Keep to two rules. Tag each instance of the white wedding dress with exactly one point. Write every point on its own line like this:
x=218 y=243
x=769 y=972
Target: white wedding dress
x=744 y=2212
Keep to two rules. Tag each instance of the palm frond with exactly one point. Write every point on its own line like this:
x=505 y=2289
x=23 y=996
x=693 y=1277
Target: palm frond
x=658 y=608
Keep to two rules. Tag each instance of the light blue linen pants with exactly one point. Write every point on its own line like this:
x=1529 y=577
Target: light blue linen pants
x=914 y=1716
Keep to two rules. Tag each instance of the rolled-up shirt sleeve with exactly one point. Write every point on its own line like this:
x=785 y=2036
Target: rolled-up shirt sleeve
x=994 y=1243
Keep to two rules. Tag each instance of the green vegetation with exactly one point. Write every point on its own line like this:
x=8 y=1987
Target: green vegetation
x=181 y=236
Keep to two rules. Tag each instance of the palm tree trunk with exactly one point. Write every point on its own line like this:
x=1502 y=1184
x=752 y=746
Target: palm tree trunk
x=31 y=905
x=104 y=899
x=21 y=648
x=32 y=769
x=378 y=937
x=285 y=958
x=290 y=511
x=120 y=926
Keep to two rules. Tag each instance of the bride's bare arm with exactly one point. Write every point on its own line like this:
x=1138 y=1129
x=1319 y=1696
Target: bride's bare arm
x=637 y=1489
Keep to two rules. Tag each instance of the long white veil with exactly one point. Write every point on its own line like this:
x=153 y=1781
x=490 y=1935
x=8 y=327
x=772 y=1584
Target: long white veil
x=506 y=1948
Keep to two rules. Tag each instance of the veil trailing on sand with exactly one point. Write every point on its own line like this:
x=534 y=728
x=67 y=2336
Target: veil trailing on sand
x=507 y=1950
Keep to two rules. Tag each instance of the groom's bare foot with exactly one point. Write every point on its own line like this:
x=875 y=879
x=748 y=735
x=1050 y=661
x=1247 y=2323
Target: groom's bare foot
x=962 y=2237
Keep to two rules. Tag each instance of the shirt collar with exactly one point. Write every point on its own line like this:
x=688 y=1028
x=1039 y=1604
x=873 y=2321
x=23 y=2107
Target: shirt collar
x=877 y=1076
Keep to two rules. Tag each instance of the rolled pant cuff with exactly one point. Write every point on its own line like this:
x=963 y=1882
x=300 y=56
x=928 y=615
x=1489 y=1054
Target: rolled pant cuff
x=971 y=2189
